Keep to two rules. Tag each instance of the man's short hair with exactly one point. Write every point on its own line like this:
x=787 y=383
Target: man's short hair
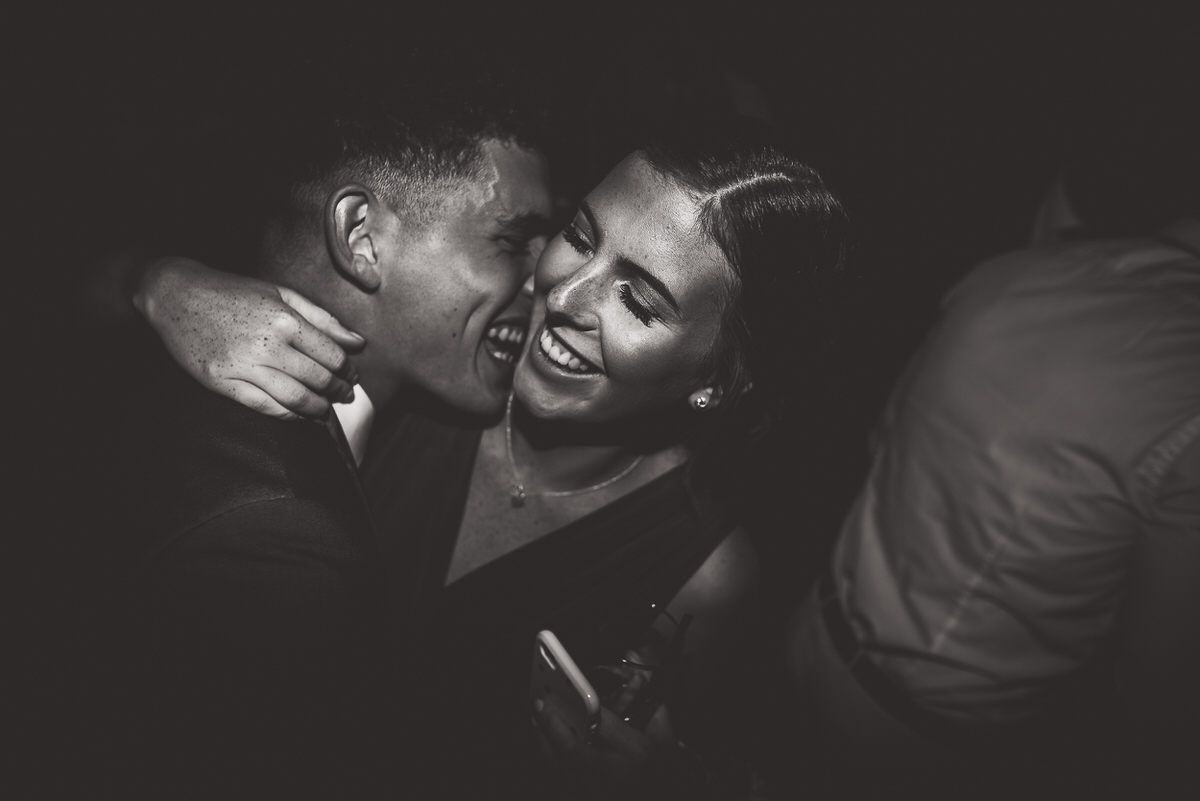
x=413 y=150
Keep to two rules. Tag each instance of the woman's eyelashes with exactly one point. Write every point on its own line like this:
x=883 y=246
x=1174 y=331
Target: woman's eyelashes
x=574 y=237
x=645 y=314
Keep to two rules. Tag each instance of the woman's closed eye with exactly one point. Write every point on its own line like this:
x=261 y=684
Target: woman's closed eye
x=638 y=309
x=574 y=237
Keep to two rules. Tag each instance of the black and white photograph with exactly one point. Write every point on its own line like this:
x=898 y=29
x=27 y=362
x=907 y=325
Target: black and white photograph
x=730 y=401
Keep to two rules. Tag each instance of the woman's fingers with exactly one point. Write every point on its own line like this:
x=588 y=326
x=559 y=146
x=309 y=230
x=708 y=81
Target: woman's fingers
x=322 y=320
x=254 y=398
x=567 y=745
x=314 y=376
x=262 y=345
x=288 y=393
x=629 y=691
x=298 y=334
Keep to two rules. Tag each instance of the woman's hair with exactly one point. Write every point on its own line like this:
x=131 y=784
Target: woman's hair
x=785 y=237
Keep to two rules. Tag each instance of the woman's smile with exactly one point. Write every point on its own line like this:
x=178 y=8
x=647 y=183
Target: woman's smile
x=553 y=344
x=629 y=299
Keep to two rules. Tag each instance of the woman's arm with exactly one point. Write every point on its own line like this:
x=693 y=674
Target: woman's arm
x=262 y=345
x=722 y=596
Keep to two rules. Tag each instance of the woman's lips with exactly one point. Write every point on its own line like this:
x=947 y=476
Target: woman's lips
x=557 y=351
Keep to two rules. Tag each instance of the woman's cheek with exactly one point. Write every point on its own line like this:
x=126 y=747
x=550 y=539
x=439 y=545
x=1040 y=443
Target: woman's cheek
x=639 y=355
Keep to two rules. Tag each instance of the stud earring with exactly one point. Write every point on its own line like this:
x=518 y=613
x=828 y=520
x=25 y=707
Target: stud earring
x=700 y=401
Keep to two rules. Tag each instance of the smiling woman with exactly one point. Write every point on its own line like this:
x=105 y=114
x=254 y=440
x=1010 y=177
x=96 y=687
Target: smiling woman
x=663 y=319
x=629 y=303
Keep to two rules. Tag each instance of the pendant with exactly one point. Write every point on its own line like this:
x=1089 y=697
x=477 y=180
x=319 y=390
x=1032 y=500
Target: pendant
x=516 y=495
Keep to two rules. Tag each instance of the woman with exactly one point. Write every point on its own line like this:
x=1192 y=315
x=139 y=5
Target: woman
x=667 y=322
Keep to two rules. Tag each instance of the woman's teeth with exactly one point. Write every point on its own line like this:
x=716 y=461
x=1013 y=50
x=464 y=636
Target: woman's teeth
x=562 y=356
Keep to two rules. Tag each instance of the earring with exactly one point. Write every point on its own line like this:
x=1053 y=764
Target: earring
x=700 y=402
x=701 y=398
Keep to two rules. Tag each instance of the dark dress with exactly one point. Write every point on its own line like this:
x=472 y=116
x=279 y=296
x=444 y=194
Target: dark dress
x=592 y=582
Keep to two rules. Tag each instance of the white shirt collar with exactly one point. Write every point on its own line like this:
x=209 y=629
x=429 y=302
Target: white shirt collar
x=356 y=418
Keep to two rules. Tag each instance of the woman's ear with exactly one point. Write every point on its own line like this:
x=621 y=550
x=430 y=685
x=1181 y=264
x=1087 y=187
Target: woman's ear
x=352 y=226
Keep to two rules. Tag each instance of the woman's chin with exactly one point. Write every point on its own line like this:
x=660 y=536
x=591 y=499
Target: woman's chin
x=549 y=407
x=547 y=395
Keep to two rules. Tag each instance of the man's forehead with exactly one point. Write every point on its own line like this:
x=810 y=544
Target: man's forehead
x=519 y=175
x=510 y=195
x=516 y=184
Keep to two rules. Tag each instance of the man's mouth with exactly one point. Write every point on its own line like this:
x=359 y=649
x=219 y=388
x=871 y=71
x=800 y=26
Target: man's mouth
x=504 y=341
x=561 y=354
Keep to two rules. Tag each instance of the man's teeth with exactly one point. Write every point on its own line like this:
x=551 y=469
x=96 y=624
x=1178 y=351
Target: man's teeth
x=506 y=341
x=563 y=357
x=507 y=333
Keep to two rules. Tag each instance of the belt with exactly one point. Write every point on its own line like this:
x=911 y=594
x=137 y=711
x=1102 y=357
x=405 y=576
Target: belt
x=878 y=685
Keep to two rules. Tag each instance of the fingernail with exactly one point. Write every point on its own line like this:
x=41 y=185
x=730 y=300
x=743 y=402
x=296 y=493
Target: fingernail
x=348 y=396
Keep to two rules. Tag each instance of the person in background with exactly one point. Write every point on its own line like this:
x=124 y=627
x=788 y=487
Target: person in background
x=1019 y=579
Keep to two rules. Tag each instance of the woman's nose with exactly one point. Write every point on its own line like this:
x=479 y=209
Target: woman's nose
x=575 y=297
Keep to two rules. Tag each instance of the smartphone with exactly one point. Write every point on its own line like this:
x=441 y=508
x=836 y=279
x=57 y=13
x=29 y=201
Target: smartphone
x=556 y=675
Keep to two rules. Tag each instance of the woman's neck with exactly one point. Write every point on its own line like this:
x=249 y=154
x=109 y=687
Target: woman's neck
x=562 y=457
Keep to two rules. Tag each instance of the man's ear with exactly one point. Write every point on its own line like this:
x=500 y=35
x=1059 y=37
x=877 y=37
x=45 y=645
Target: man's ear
x=352 y=228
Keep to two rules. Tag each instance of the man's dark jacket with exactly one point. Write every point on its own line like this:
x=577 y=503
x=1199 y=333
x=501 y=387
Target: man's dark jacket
x=256 y=628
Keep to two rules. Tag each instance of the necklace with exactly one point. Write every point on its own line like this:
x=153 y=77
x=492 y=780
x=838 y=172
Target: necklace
x=517 y=492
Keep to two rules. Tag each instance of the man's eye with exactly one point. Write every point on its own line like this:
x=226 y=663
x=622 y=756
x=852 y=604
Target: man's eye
x=514 y=244
x=573 y=237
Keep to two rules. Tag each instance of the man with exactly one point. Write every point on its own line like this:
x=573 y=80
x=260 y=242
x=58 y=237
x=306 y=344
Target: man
x=263 y=642
x=1020 y=577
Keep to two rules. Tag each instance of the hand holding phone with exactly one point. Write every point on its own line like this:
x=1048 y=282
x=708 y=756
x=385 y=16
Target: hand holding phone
x=556 y=675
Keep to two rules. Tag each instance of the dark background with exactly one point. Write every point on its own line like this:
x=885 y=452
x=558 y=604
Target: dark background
x=940 y=125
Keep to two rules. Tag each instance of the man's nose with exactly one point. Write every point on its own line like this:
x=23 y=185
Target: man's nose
x=537 y=246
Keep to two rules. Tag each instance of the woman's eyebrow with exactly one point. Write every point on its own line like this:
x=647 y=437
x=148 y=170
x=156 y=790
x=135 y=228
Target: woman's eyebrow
x=655 y=284
x=630 y=266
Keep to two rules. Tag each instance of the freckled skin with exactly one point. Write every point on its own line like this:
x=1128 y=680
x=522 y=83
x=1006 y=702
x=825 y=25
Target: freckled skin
x=442 y=286
x=642 y=217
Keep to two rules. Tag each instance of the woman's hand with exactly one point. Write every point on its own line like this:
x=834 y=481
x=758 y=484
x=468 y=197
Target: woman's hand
x=620 y=762
x=264 y=346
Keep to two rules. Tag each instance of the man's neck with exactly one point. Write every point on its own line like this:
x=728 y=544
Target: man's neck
x=381 y=388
